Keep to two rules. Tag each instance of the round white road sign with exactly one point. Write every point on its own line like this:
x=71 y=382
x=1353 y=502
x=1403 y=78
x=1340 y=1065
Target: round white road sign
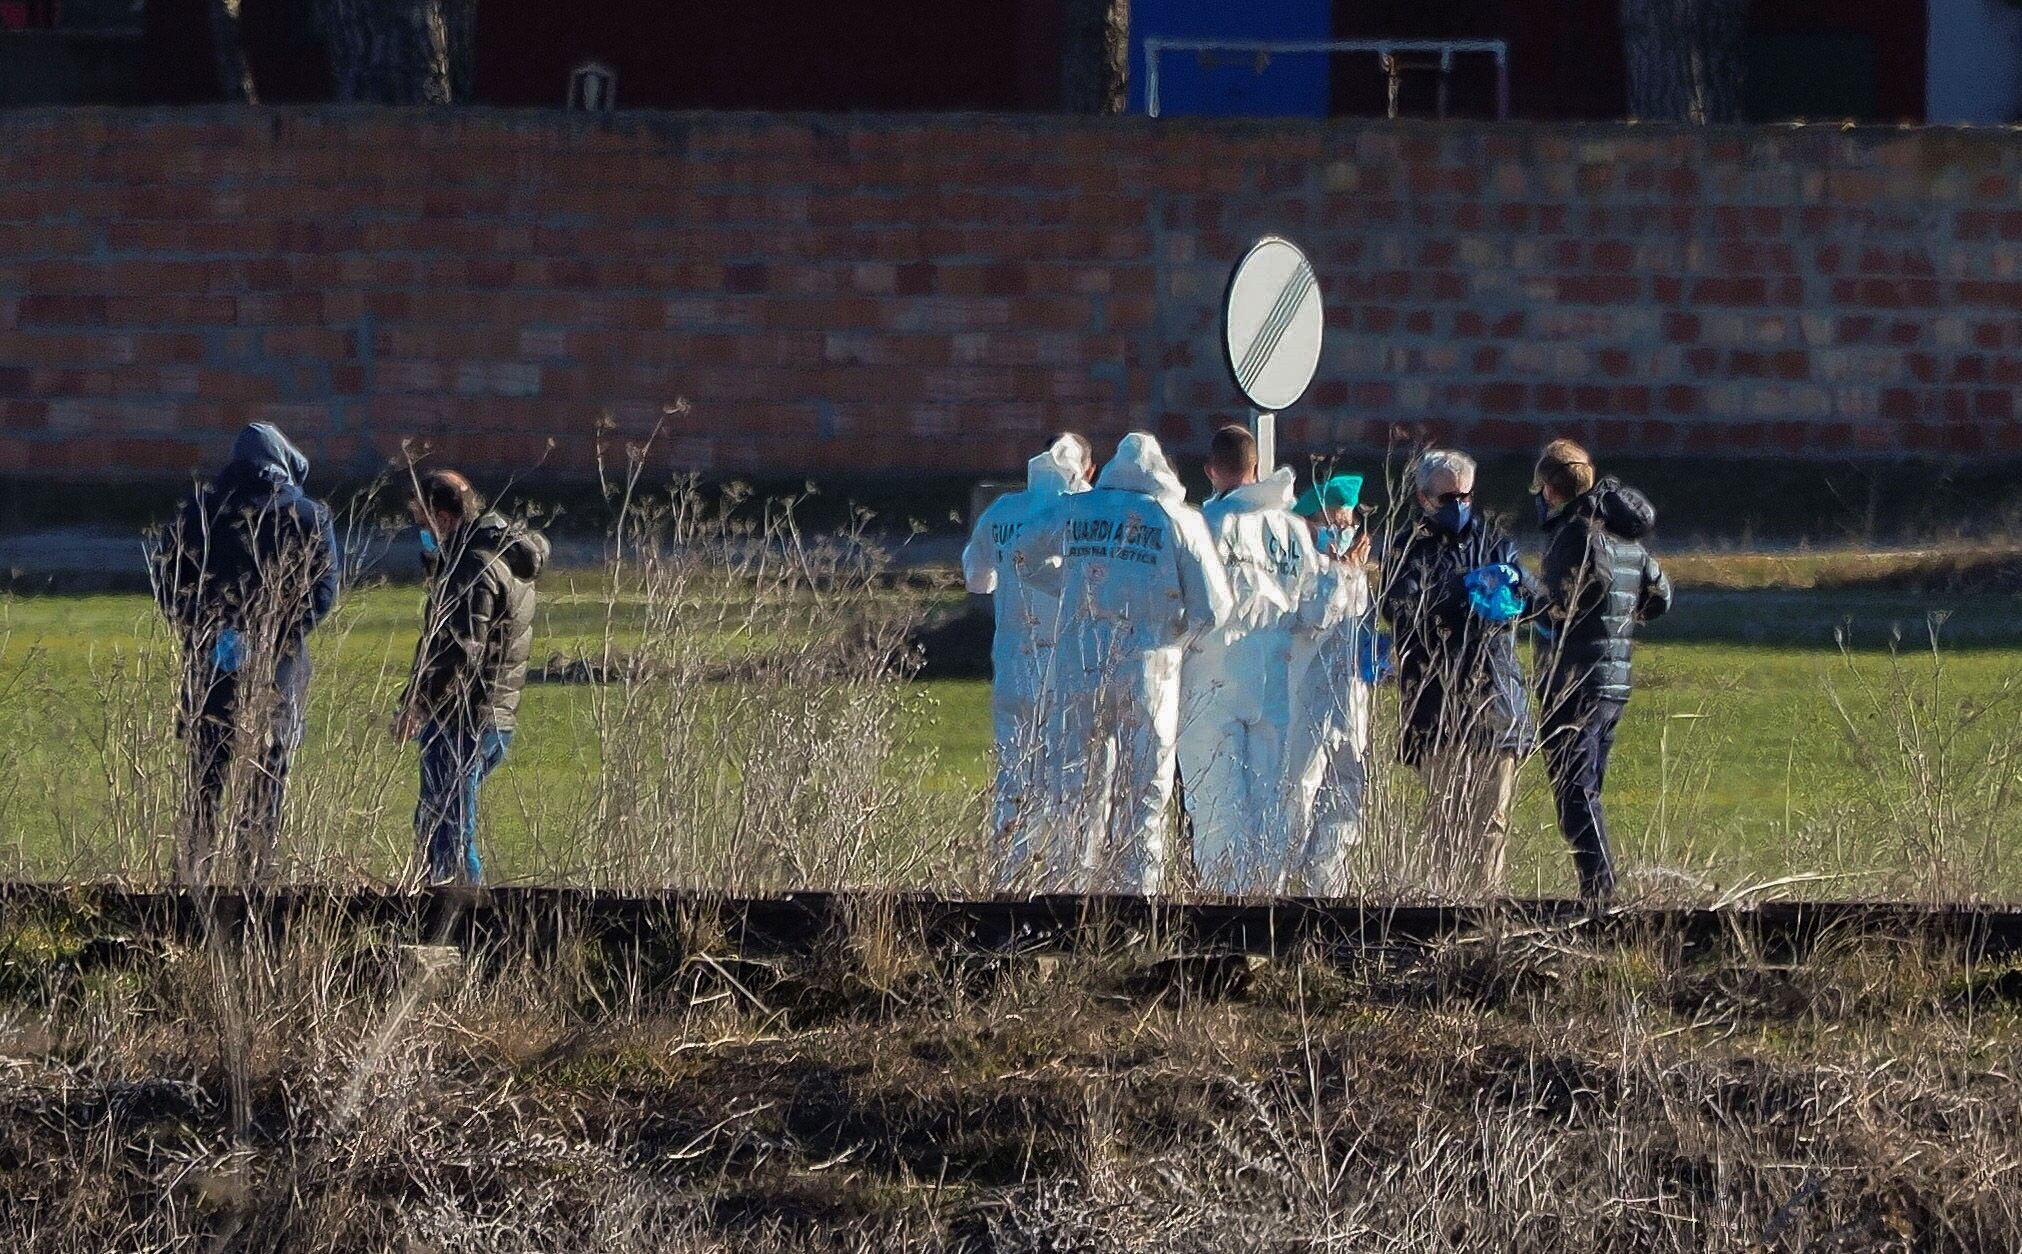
x=1271 y=323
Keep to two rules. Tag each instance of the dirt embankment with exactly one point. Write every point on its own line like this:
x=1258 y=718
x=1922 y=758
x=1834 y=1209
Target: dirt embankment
x=1534 y=1094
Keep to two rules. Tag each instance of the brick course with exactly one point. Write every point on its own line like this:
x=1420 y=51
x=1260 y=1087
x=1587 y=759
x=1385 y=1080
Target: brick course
x=864 y=294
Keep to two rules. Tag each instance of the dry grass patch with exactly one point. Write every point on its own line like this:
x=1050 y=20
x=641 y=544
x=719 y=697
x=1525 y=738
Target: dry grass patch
x=1534 y=1093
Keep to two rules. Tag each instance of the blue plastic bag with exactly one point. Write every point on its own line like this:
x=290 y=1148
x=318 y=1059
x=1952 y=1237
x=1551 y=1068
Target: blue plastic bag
x=1492 y=592
x=229 y=653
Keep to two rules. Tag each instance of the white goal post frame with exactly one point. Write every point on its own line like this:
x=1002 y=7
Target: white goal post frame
x=1446 y=48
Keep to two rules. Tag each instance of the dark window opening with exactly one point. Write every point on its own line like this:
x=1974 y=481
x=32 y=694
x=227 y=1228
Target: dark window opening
x=1816 y=75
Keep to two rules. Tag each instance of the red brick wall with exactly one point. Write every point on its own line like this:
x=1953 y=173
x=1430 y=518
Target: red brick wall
x=863 y=294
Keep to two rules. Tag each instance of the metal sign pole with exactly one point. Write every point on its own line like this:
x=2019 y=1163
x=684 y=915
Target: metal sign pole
x=1264 y=426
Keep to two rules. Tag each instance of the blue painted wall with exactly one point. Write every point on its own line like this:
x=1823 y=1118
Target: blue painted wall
x=1291 y=85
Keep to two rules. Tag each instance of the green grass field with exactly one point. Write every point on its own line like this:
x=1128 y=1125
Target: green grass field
x=1733 y=767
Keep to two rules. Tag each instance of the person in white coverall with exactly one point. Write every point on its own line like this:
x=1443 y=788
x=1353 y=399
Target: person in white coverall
x=1235 y=700
x=1137 y=578
x=1021 y=651
x=1327 y=746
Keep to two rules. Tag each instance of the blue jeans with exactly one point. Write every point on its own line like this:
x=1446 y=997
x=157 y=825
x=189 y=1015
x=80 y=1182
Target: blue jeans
x=453 y=763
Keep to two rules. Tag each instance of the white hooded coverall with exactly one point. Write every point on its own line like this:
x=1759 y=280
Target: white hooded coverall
x=1235 y=701
x=1137 y=577
x=1327 y=747
x=1021 y=650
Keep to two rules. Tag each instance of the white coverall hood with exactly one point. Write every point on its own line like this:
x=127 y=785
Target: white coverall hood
x=1276 y=490
x=1140 y=465
x=1061 y=470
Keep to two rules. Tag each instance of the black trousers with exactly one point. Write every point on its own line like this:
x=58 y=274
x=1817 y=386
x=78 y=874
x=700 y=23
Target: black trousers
x=240 y=845
x=1579 y=734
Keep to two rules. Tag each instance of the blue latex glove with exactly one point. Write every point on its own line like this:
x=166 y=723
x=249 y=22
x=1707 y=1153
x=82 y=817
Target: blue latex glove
x=1372 y=654
x=1492 y=592
x=229 y=653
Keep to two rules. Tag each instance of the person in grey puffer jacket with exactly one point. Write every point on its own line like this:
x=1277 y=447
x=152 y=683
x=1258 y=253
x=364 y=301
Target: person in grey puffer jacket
x=469 y=666
x=1600 y=584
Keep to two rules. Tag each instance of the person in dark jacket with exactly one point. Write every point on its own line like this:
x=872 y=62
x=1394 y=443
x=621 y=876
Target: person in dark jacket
x=1599 y=583
x=469 y=666
x=245 y=572
x=1452 y=592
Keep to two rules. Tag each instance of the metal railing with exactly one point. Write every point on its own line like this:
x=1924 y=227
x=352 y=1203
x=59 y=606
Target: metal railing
x=1388 y=52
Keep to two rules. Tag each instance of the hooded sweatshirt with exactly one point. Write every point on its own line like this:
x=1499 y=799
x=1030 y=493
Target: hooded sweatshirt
x=471 y=662
x=249 y=552
x=1026 y=613
x=262 y=452
x=1133 y=565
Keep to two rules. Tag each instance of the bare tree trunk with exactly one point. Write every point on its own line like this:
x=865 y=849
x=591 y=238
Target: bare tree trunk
x=459 y=18
x=228 y=51
x=399 y=51
x=1684 y=59
x=1095 y=56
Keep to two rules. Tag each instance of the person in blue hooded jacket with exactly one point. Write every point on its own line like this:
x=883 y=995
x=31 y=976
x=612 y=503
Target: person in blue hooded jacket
x=244 y=573
x=1453 y=592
